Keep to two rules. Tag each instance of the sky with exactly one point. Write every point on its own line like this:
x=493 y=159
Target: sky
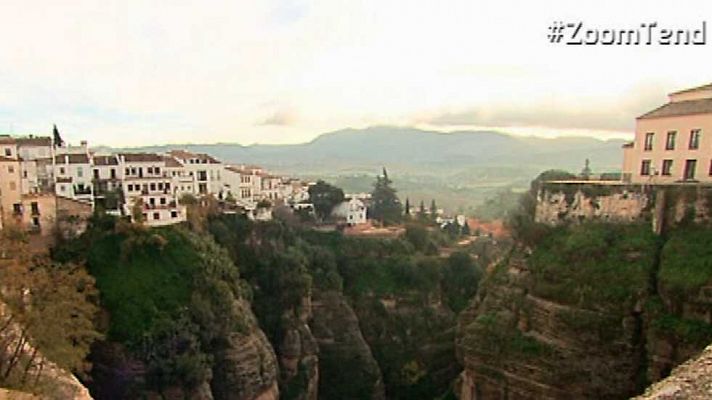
x=129 y=73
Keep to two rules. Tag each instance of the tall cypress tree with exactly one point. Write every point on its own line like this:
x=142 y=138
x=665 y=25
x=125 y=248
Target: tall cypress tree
x=407 y=207
x=385 y=206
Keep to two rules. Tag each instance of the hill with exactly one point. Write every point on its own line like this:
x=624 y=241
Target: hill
x=459 y=169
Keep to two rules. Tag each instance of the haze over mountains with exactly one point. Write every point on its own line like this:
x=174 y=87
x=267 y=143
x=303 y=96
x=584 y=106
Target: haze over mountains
x=459 y=169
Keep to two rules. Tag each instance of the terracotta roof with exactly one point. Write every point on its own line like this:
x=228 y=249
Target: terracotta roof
x=186 y=155
x=72 y=159
x=141 y=157
x=689 y=107
x=694 y=89
x=105 y=160
x=34 y=141
x=26 y=140
x=172 y=162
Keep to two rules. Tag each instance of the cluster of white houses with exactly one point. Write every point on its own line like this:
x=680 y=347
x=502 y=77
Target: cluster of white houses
x=35 y=173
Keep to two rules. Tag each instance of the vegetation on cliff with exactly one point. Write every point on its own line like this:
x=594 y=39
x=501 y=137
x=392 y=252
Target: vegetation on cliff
x=172 y=300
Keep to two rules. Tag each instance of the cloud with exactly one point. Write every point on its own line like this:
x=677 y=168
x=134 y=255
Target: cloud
x=280 y=117
x=591 y=114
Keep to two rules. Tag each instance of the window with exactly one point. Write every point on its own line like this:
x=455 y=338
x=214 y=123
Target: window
x=645 y=168
x=710 y=172
x=17 y=209
x=690 y=166
x=35 y=208
x=8 y=152
x=670 y=142
x=174 y=214
x=61 y=170
x=157 y=170
x=163 y=201
x=649 y=141
x=12 y=185
x=153 y=187
x=62 y=188
x=36 y=222
x=127 y=172
x=150 y=170
x=113 y=173
x=667 y=167
x=96 y=173
x=695 y=139
x=156 y=216
x=24 y=174
x=11 y=169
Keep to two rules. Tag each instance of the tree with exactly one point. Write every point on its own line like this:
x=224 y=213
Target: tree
x=433 y=210
x=407 y=207
x=386 y=207
x=137 y=211
x=466 y=229
x=51 y=312
x=325 y=197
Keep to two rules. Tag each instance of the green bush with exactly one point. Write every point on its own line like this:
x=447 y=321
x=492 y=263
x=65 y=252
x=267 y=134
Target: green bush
x=686 y=261
x=595 y=266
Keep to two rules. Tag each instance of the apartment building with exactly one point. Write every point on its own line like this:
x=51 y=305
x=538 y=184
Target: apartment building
x=148 y=185
x=107 y=176
x=673 y=143
x=73 y=176
x=33 y=169
x=205 y=170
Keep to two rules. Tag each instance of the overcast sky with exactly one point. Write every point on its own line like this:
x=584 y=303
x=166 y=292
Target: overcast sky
x=283 y=71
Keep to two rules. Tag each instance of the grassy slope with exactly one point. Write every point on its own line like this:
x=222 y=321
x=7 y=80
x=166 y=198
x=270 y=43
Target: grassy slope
x=136 y=288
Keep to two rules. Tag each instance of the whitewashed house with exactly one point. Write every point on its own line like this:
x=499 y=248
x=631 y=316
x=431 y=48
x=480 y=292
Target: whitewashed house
x=353 y=211
x=147 y=181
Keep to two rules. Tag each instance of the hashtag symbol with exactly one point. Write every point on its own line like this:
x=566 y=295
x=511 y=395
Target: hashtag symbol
x=556 y=32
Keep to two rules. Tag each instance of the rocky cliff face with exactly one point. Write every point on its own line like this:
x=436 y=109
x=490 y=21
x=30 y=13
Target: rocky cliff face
x=516 y=344
x=347 y=368
x=298 y=355
x=690 y=381
x=246 y=367
x=555 y=321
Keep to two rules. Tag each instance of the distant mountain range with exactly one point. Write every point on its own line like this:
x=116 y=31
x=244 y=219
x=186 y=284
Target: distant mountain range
x=459 y=168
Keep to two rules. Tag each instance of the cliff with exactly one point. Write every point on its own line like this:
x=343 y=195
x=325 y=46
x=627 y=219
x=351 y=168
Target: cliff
x=553 y=321
x=347 y=368
x=689 y=381
x=246 y=367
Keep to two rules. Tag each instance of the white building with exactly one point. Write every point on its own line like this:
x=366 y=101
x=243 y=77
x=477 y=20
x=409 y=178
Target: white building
x=353 y=211
x=107 y=176
x=147 y=182
x=73 y=177
x=206 y=171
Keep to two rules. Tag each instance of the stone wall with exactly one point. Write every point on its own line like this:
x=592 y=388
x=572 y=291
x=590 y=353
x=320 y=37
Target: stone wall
x=560 y=203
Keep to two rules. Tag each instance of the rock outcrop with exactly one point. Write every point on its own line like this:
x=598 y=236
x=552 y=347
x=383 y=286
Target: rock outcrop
x=298 y=355
x=246 y=367
x=347 y=368
x=515 y=344
x=690 y=381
